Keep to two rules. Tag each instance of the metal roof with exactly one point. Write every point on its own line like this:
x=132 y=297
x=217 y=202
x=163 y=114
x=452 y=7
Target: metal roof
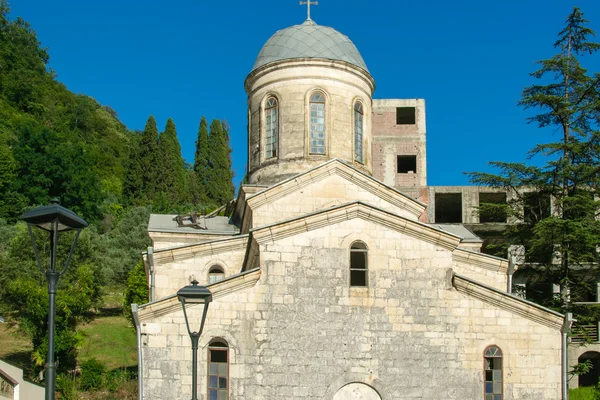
x=309 y=40
x=168 y=223
x=459 y=230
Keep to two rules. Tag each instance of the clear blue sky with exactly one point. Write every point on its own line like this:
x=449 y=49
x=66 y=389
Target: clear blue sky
x=183 y=59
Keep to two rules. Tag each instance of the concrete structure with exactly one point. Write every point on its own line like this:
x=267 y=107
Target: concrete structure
x=331 y=280
x=14 y=387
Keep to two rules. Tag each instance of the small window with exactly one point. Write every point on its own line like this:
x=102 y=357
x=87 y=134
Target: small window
x=405 y=115
x=317 y=124
x=536 y=207
x=493 y=373
x=492 y=207
x=358 y=264
x=406 y=164
x=272 y=124
x=448 y=207
x=215 y=274
x=358 y=132
x=218 y=371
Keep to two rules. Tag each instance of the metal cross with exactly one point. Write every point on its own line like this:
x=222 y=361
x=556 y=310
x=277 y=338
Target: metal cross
x=308 y=3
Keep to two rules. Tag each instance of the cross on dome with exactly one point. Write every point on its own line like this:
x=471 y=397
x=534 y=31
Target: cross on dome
x=308 y=4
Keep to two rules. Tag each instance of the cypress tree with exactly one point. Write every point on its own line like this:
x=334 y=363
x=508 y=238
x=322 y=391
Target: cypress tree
x=219 y=185
x=143 y=175
x=201 y=162
x=172 y=173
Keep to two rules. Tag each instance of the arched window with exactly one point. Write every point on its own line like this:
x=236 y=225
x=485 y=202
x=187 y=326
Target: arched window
x=215 y=274
x=358 y=132
x=358 y=264
x=272 y=123
x=493 y=373
x=317 y=124
x=218 y=370
x=591 y=377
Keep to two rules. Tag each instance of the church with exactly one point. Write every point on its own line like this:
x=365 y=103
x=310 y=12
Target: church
x=332 y=278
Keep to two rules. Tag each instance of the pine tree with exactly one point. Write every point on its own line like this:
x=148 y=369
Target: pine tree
x=219 y=185
x=201 y=162
x=172 y=174
x=563 y=239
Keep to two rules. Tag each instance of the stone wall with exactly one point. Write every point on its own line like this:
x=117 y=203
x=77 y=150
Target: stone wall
x=292 y=82
x=298 y=331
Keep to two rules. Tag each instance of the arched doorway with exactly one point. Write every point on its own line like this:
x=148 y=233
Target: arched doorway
x=356 y=391
x=591 y=378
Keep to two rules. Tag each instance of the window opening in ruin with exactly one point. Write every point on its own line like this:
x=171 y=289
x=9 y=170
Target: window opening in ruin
x=317 y=124
x=492 y=207
x=405 y=115
x=493 y=373
x=218 y=371
x=592 y=376
x=406 y=164
x=448 y=207
x=536 y=207
x=215 y=274
x=358 y=132
x=358 y=264
x=272 y=123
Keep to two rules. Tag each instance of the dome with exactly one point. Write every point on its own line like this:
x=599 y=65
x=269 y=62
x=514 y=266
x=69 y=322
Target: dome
x=309 y=40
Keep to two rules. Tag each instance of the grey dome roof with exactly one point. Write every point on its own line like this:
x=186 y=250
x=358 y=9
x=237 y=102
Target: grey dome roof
x=309 y=40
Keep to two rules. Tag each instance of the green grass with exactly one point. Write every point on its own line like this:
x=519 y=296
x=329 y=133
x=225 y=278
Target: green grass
x=583 y=393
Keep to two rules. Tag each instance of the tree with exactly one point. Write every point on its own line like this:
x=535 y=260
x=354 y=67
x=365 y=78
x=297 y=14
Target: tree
x=219 y=183
x=201 y=161
x=141 y=179
x=171 y=183
x=562 y=239
x=137 y=288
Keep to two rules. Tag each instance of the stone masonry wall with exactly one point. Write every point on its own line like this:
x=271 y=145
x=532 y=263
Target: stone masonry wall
x=302 y=333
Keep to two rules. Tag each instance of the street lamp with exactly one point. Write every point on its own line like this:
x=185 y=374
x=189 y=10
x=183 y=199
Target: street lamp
x=53 y=219
x=194 y=294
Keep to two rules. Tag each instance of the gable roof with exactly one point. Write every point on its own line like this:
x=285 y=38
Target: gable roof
x=170 y=304
x=508 y=302
x=346 y=171
x=355 y=209
x=182 y=252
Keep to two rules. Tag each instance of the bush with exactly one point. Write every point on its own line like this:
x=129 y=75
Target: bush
x=65 y=385
x=92 y=374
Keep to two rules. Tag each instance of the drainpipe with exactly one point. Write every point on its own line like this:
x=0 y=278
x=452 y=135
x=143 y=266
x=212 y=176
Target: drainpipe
x=138 y=329
x=565 y=359
x=151 y=267
x=511 y=271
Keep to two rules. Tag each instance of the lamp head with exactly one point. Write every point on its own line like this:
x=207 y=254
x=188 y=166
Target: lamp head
x=194 y=294
x=54 y=215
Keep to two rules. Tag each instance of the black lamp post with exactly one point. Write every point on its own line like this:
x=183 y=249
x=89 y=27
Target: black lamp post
x=194 y=294
x=52 y=219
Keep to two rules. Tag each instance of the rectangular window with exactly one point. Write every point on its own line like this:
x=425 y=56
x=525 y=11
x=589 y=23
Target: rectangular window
x=492 y=207
x=217 y=374
x=448 y=207
x=317 y=128
x=536 y=207
x=405 y=115
x=406 y=164
x=358 y=264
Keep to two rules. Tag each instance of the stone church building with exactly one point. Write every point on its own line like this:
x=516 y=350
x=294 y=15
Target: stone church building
x=331 y=279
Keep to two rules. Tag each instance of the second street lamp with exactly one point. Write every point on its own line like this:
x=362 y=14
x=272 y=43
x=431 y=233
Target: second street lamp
x=190 y=295
x=53 y=219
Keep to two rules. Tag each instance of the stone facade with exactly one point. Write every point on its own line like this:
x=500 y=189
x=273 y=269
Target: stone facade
x=335 y=283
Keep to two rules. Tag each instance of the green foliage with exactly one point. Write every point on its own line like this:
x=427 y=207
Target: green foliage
x=171 y=184
x=92 y=374
x=219 y=184
x=66 y=386
x=201 y=163
x=137 y=288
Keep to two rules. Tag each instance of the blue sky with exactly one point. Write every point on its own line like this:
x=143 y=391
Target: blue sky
x=184 y=59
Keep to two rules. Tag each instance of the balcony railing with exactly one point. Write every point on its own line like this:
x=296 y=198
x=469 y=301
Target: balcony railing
x=585 y=333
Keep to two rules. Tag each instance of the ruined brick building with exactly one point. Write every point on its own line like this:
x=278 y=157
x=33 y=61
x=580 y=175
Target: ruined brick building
x=340 y=274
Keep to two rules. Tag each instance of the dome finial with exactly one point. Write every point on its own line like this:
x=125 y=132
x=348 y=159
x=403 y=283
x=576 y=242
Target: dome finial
x=308 y=3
